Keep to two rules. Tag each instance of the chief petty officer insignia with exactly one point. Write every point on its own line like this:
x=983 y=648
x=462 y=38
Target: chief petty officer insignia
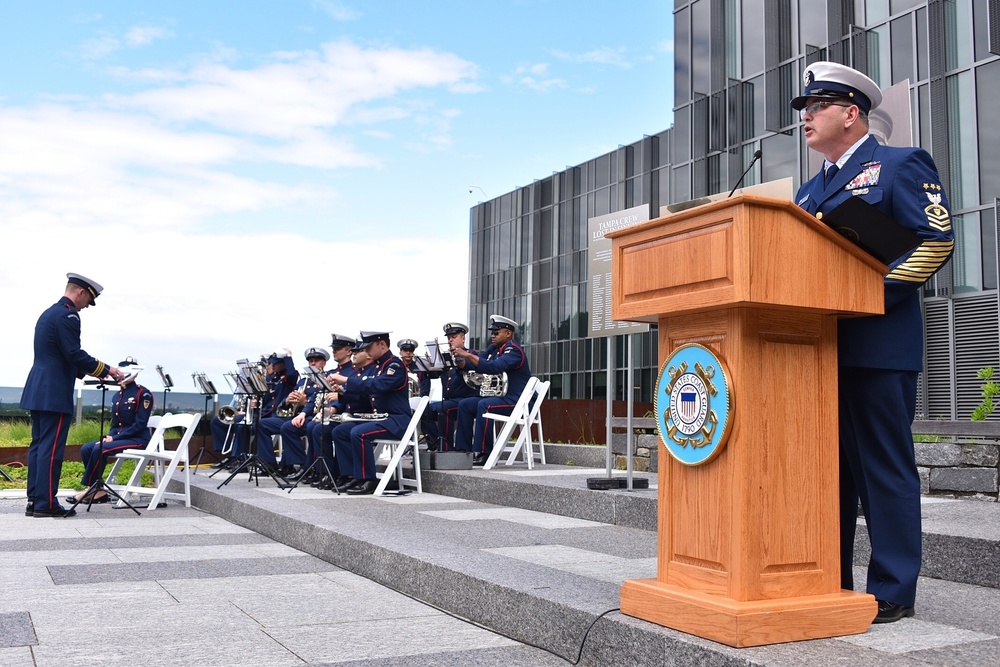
x=937 y=215
x=693 y=404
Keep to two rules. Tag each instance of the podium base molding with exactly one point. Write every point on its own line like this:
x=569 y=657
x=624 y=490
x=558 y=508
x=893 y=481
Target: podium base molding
x=754 y=623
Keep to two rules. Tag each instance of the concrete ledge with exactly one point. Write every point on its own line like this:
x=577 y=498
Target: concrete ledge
x=528 y=603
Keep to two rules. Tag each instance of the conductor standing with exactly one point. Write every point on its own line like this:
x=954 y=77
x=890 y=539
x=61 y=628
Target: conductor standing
x=48 y=391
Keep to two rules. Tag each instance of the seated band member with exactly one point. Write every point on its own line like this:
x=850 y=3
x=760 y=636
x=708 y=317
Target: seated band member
x=347 y=401
x=407 y=351
x=282 y=379
x=275 y=379
x=504 y=355
x=389 y=394
x=301 y=402
x=440 y=417
x=303 y=423
x=131 y=407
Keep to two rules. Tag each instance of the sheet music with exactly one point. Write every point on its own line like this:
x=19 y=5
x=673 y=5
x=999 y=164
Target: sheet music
x=319 y=377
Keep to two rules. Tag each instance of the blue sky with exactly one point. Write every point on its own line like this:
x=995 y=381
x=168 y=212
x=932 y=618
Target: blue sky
x=244 y=176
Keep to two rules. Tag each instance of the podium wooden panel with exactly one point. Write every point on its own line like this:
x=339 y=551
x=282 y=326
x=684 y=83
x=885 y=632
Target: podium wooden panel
x=749 y=542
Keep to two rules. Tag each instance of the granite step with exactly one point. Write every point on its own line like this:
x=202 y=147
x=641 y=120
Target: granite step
x=543 y=561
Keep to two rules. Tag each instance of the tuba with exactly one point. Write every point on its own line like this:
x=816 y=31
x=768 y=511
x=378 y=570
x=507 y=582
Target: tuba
x=485 y=384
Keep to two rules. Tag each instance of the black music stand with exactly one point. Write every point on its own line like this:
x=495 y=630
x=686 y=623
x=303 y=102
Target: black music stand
x=100 y=484
x=5 y=475
x=167 y=384
x=257 y=389
x=207 y=389
x=325 y=388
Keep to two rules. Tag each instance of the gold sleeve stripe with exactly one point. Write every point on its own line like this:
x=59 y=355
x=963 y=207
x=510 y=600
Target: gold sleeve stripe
x=924 y=261
x=941 y=228
x=101 y=370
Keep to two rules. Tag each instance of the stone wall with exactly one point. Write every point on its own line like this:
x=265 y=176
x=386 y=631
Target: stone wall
x=954 y=459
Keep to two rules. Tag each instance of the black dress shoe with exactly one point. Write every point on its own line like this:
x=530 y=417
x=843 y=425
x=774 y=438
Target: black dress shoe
x=344 y=482
x=890 y=612
x=98 y=500
x=29 y=510
x=54 y=512
x=480 y=459
x=362 y=487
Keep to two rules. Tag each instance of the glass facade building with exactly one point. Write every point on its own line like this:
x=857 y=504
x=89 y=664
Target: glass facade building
x=737 y=64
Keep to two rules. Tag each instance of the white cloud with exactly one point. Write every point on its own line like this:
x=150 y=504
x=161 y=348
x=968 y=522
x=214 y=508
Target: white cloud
x=154 y=195
x=143 y=35
x=338 y=11
x=106 y=43
x=298 y=90
x=604 y=55
x=534 y=77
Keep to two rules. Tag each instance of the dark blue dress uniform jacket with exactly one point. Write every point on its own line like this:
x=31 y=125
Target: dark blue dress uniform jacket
x=388 y=389
x=59 y=361
x=508 y=358
x=902 y=183
x=131 y=408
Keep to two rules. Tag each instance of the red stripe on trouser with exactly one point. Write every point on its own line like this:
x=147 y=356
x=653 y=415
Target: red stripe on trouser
x=102 y=458
x=363 y=452
x=492 y=408
x=52 y=461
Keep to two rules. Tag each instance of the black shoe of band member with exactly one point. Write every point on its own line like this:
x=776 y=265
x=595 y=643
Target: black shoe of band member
x=29 y=510
x=480 y=459
x=55 y=512
x=890 y=612
x=363 y=487
x=344 y=482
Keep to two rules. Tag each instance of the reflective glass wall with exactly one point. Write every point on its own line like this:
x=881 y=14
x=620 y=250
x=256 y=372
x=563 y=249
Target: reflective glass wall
x=529 y=262
x=737 y=64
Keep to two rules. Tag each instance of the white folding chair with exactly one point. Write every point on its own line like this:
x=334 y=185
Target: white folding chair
x=534 y=419
x=397 y=448
x=163 y=461
x=517 y=417
x=153 y=425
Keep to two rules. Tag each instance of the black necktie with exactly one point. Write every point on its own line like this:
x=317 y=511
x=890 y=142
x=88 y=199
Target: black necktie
x=830 y=173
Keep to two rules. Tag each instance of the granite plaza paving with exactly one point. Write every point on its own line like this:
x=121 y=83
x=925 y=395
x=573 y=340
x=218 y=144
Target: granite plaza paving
x=254 y=574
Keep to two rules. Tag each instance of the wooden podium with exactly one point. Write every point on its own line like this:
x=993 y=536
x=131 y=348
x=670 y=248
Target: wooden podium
x=749 y=542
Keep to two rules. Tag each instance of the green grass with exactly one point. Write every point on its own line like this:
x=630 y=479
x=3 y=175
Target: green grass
x=18 y=433
x=71 y=474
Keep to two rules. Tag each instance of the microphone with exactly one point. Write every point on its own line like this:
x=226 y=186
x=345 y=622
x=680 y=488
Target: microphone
x=756 y=156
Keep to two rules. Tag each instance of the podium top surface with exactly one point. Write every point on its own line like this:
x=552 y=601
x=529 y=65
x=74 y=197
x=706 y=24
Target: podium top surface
x=747 y=250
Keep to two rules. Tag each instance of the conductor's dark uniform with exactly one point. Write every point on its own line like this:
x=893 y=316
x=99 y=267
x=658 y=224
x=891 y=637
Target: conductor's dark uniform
x=48 y=395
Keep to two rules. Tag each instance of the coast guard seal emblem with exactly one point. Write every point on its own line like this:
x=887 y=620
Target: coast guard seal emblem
x=693 y=404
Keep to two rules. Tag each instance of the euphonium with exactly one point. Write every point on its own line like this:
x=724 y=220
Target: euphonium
x=487 y=385
x=228 y=413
